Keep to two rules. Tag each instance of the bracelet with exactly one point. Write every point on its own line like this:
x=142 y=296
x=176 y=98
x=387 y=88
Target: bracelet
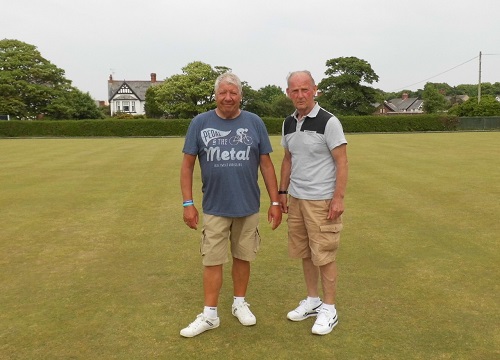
x=282 y=192
x=275 y=203
x=187 y=203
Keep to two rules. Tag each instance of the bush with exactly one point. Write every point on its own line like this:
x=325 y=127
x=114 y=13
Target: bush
x=399 y=123
x=89 y=128
x=392 y=123
x=178 y=127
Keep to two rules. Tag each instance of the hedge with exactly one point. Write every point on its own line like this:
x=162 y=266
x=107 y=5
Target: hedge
x=178 y=127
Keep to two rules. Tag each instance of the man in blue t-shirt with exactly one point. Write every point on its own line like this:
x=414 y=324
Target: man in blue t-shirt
x=230 y=145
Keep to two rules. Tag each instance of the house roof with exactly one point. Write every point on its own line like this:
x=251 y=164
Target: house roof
x=403 y=105
x=137 y=88
x=407 y=104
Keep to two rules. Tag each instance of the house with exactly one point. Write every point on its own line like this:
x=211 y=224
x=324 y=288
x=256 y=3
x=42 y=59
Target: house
x=405 y=105
x=129 y=96
x=457 y=99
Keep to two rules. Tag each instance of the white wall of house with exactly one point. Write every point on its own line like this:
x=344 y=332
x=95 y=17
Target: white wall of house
x=129 y=106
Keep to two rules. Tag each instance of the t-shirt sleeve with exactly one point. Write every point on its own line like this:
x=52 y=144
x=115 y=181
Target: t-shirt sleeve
x=334 y=133
x=265 y=143
x=190 y=142
x=283 y=139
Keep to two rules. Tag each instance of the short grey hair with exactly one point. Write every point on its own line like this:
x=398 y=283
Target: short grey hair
x=229 y=78
x=306 y=72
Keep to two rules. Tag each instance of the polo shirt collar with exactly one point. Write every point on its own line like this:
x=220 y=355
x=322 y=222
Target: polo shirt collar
x=312 y=114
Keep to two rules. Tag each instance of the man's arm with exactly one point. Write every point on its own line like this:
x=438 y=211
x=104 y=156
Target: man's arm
x=269 y=176
x=337 y=205
x=286 y=170
x=190 y=212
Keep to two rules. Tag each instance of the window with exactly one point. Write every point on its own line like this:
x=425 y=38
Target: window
x=133 y=106
x=126 y=106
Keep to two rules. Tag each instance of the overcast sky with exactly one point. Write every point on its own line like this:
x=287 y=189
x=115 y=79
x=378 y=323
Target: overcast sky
x=407 y=43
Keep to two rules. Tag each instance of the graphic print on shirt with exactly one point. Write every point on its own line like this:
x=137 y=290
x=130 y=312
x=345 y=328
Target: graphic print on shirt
x=223 y=150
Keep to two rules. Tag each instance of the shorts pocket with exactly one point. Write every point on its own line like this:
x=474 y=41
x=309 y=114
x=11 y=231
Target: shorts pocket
x=257 y=240
x=331 y=237
x=333 y=228
x=202 y=243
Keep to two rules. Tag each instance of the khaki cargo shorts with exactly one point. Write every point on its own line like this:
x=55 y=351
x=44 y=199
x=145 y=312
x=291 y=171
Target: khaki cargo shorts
x=218 y=232
x=310 y=233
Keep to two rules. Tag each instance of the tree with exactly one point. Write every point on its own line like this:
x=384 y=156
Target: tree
x=434 y=101
x=341 y=92
x=73 y=104
x=28 y=82
x=443 y=88
x=488 y=106
x=151 y=106
x=466 y=89
x=31 y=86
x=269 y=100
x=282 y=106
x=399 y=94
x=188 y=94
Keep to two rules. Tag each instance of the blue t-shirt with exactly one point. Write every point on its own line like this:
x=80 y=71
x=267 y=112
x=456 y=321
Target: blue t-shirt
x=229 y=155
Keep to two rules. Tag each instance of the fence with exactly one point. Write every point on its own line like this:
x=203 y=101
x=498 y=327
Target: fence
x=479 y=123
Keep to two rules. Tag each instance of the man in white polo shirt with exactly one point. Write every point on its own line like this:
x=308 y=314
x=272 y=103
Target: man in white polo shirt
x=312 y=188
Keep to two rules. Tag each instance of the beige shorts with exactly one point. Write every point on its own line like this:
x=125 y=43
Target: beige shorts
x=218 y=232
x=310 y=233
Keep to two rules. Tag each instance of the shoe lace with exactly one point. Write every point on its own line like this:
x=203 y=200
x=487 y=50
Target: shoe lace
x=198 y=321
x=323 y=316
x=244 y=307
x=304 y=306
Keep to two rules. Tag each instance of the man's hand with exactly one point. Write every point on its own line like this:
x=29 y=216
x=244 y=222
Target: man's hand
x=274 y=216
x=191 y=217
x=336 y=208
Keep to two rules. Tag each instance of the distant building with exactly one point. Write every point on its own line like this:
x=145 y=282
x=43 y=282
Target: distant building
x=129 y=96
x=403 y=106
x=457 y=99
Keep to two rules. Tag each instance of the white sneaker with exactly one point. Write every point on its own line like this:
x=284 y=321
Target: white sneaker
x=325 y=322
x=303 y=311
x=243 y=313
x=201 y=324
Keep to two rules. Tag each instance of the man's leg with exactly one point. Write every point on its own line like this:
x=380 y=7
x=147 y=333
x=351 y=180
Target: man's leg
x=311 y=276
x=212 y=283
x=327 y=317
x=329 y=282
x=208 y=320
x=241 y=276
x=308 y=307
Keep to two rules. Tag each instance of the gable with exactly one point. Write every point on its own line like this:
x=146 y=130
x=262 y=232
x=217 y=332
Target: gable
x=129 y=90
x=125 y=92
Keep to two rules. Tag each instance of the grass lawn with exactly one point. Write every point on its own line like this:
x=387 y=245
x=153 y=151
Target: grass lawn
x=96 y=262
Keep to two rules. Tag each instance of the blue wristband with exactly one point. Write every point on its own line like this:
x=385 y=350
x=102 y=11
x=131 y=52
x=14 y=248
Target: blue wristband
x=187 y=203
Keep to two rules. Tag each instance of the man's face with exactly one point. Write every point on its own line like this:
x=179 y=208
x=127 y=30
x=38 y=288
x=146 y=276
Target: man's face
x=228 y=99
x=302 y=91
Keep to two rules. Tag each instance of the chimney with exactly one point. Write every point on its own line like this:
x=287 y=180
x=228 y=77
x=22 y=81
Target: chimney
x=405 y=96
x=153 y=78
x=110 y=78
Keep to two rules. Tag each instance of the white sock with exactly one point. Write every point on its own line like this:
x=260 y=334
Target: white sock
x=330 y=308
x=210 y=312
x=238 y=300
x=314 y=301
